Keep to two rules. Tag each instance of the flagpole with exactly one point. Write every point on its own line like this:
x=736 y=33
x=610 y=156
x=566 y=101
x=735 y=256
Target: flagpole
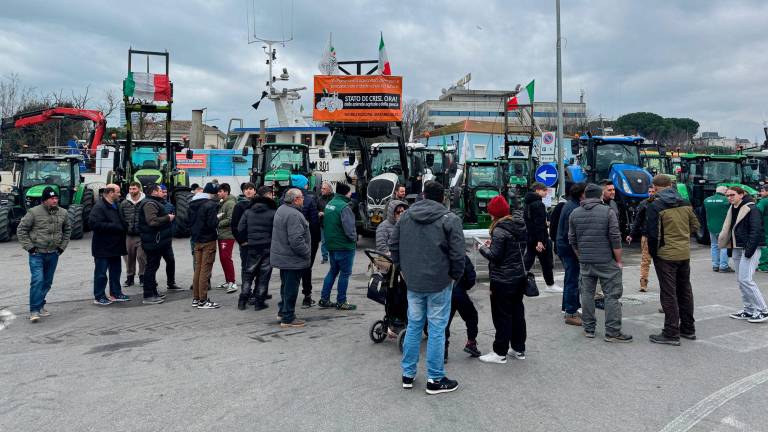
x=560 y=152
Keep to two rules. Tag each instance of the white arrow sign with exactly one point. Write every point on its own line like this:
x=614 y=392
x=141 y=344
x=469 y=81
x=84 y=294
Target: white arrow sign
x=545 y=175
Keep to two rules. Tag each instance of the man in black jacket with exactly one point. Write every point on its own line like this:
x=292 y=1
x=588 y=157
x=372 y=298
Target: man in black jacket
x=257 y=224
x=539 y=245
x=249 y=191
x=203 y=212
x=107 y=247
x=155 y=226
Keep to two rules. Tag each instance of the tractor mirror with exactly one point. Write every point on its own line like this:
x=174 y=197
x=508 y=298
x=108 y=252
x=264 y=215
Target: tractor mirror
x=82 y=179
x=104 y=153
x=574 y=146
x=351 y=157
x=190 y=154
x=321 y=153
x=245 y=151
x=430 y=159
x=313 y=166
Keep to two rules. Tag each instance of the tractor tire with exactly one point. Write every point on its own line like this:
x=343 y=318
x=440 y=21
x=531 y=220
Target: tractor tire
x=5 y=225
x=75 y=213
x=702 y=234
x=181 y=223
x=87 y=203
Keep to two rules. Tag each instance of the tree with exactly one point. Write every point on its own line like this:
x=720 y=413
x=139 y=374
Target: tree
x=670 y=131
x=413 y=119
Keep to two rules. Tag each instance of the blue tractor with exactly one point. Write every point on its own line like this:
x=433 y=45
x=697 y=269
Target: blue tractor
x=615 y=158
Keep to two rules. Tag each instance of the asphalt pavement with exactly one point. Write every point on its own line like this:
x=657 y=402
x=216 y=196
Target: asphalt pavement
x=133 y=367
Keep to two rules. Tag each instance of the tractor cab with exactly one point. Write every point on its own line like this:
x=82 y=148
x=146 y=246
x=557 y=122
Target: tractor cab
x=656 y=162
x=148 y=162
x=755 y=168
x=274 y=163
x=481 y=181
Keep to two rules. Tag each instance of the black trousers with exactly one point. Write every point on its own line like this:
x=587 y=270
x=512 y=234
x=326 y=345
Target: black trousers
x=256 y=275
x=461 y=302
x=545 y=259
x=153 y=264
x=676 y=296
x=508 y=314
x=306 y=274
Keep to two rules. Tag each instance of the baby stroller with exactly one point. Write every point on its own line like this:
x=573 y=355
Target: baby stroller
x=387 y=287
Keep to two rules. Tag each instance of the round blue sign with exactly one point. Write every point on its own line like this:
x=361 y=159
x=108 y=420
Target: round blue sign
x=546 y=174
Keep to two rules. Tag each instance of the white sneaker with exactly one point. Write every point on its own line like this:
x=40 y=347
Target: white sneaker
x=232 y=287
x=492 y=357
x=515 y=354
x=223 y=286
x=554 y=288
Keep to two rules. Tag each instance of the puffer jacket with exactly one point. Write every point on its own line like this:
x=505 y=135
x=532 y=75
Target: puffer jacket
x=505 y=255
x=256 y=223
x=241 y=207
x=535 y=219
x=128 y=213
x=224 y=228
x=290 y=247
x=747 y=232
x=45 y=229
x=155 y=225
x=311 y=213
x=384 y=230
x=669 y=222
x=593 y=232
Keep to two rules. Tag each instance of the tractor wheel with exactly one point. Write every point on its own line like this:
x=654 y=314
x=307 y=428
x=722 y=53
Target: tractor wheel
x=702 y=234
x=87 y=203
x=75 y=213
x=181 y=223
x=5 y=224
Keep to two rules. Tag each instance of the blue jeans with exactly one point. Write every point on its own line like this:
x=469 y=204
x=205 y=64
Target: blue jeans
x=323 y=249
x=571 y=303
x=719 y=256
x=113 y=265
x=42 y=266
x=341 y=262
x=435 y=308
x=289 y=291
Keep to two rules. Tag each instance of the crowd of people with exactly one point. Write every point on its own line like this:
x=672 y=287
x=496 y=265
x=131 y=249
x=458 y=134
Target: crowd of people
x=427 y=244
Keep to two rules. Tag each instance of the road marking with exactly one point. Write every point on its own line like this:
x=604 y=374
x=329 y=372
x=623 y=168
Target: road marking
x=736 y=424
x=693 y=415
x=701 y=313
x=6 y=317
x=742 y=341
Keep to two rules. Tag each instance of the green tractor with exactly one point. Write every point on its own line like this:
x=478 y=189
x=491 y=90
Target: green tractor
x=480 y=181
x=32 y=173
x=700 y=175
x=274 y=164
x=518 y=172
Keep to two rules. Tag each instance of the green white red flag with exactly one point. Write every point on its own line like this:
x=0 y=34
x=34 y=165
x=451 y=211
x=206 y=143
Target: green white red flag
x=384 y=67
x=147 y=86
x=529 y=89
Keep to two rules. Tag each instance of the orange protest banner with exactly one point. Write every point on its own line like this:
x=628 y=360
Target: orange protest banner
x=358 y=98
x=198 y=161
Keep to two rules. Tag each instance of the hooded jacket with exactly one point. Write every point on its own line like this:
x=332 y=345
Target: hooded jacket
x=593 y=231
x=256 y=223
x=128 y=213
x=384 y=230
x=669 y=222
x=505 y=255
x=108 y=239
x=746 y=232
x=46 y=229
x=428 y=245
x=202 y=218
x=290 y=246
x=224 y=226
x=563 y=226
x=535 y=219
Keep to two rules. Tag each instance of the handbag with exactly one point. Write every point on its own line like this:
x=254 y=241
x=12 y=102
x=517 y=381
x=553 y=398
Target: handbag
x=531 y=289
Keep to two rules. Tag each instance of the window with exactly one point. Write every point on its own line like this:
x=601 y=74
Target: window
x=306 y=139
x=480 y=151
x=320 y=139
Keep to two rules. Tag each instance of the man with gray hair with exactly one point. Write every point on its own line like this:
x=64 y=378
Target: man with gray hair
x=290 y=252
x=595 y=238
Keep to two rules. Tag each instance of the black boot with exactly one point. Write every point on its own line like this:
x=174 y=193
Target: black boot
x=128 y=281
x=242 y=302
x=260 y=304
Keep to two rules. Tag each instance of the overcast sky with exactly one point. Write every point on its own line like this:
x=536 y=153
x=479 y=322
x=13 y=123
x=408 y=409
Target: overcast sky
x=686 y=58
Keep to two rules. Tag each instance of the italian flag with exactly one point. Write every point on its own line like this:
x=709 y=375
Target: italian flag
x=147 y=86
x=512 y=102
x=384 y=68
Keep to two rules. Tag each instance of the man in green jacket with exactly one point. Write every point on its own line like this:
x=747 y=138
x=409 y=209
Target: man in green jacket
x=226 y=237
x=762 y=205
x=341 y=240
x=44 y=233
x=715 y=207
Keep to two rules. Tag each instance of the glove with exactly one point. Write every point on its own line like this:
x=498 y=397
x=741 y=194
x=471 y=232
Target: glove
x=32 y=251
x=59 y=251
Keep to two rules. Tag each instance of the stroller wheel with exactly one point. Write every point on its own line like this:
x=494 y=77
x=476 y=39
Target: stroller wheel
x=378 y=332
x=401 y=339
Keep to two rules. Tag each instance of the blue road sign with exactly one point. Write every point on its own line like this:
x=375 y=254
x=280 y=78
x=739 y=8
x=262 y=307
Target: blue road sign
x=546 y=174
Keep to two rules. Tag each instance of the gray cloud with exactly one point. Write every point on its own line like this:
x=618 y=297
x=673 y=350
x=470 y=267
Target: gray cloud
x=698 y=59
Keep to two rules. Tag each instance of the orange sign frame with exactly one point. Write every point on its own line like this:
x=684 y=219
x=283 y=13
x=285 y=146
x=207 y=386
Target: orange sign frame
x=358 y=98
